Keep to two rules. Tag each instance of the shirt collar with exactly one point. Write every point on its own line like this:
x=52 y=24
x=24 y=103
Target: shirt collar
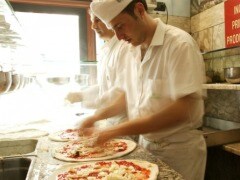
x=159 y=34
x=110 y=43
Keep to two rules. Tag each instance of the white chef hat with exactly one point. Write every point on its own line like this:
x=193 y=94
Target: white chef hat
x=106 y=10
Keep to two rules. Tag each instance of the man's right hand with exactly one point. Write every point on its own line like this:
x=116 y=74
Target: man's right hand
x=88 y=122
x=74 y=97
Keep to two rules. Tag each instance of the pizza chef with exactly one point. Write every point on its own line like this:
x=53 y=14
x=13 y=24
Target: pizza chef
x=163 y=98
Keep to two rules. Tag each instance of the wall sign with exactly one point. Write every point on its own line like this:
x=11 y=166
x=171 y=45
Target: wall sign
x=232 y=22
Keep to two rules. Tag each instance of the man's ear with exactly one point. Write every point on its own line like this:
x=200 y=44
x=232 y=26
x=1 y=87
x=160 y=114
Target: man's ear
x=139 y=9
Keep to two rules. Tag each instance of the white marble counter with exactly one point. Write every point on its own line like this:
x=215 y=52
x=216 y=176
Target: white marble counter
x=222 y=86
x=45 y=164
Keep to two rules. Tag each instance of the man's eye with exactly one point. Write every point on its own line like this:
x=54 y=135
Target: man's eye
x=118 y=27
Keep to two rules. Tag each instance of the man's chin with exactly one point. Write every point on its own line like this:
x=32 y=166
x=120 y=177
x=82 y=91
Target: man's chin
x=130 y=42
x=133 y=43
x=99 y=34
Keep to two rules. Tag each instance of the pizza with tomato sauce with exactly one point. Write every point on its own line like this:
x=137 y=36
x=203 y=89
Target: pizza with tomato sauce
x=65 y=135
x=77 y=151
x=128 y=169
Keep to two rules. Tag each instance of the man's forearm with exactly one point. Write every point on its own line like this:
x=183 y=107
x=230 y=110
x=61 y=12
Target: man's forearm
x=117 y=107
x=172 y=115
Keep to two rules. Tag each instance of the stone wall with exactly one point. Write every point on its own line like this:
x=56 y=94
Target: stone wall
x=223 y=104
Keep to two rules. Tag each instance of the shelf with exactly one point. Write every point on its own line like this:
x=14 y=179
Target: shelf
x=222 y=86
x=219 y=53
x=88 y=62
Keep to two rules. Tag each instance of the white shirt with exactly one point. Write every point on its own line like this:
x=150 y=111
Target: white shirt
x=171 y=68
x=114 y=69
x=111 y=69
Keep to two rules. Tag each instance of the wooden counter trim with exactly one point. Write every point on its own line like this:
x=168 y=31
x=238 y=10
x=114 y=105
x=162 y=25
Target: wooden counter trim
x=60 y=3
x=233 y=148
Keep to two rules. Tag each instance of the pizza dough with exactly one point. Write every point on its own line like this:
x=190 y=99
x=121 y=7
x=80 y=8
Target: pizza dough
x=23 y=134
x=75 y=151
x=128 y=169
x=64 y=135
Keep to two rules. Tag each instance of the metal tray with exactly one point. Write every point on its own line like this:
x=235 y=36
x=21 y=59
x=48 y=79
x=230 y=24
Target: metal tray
x=10 y=148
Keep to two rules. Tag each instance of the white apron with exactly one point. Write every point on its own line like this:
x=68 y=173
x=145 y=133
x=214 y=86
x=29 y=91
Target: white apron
x=189 y=149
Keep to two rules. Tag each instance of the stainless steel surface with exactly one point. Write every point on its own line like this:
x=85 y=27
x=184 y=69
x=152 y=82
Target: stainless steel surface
x=58 y=80
x=232 y=75
x=15 y=168
x=15 y=82
x=21 y=83
x=26 y=81
x=5 y=81
x=18 y=147
x=82 y=79
x=220 y=124
x=219 y=132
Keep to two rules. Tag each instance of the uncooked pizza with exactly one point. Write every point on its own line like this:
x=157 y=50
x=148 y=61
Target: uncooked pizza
x=77 y=151
x=128 y=169
x=65 y=135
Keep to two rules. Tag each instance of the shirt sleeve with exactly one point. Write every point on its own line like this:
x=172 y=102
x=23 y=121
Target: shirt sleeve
x=186 y=69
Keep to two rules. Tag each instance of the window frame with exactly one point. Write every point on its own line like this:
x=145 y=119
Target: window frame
x=80 y=8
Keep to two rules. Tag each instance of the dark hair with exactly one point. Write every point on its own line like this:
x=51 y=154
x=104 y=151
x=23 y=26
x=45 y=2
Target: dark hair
x=130 y=7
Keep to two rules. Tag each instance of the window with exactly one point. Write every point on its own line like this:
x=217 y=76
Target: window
x=87 y=47
x=69 y=22
x=60 y=30
x=56 y=38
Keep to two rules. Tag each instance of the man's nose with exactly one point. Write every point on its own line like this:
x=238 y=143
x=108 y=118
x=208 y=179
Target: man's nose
x=94 y=26
x=120 y=36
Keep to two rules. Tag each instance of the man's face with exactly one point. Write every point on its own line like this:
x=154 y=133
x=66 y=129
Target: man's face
x=100 y=28
x=128 y=28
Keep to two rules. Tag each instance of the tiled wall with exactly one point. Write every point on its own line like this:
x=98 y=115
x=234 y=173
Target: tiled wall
x=198 y=6
x=207 y=28
x=177 y=21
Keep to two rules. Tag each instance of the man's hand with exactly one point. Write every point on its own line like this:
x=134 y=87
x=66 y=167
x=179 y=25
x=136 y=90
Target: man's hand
x=88 y=122
x=74 y=97
x=97 y=137
x=103 y=136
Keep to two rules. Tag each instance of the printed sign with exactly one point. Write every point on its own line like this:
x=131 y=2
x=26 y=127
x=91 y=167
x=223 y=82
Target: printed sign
x=232 y=22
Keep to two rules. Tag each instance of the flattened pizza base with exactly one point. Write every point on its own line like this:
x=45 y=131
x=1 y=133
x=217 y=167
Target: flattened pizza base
x=24 y=134
x=131 y=145
x=144 y=164
x=56 y=137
